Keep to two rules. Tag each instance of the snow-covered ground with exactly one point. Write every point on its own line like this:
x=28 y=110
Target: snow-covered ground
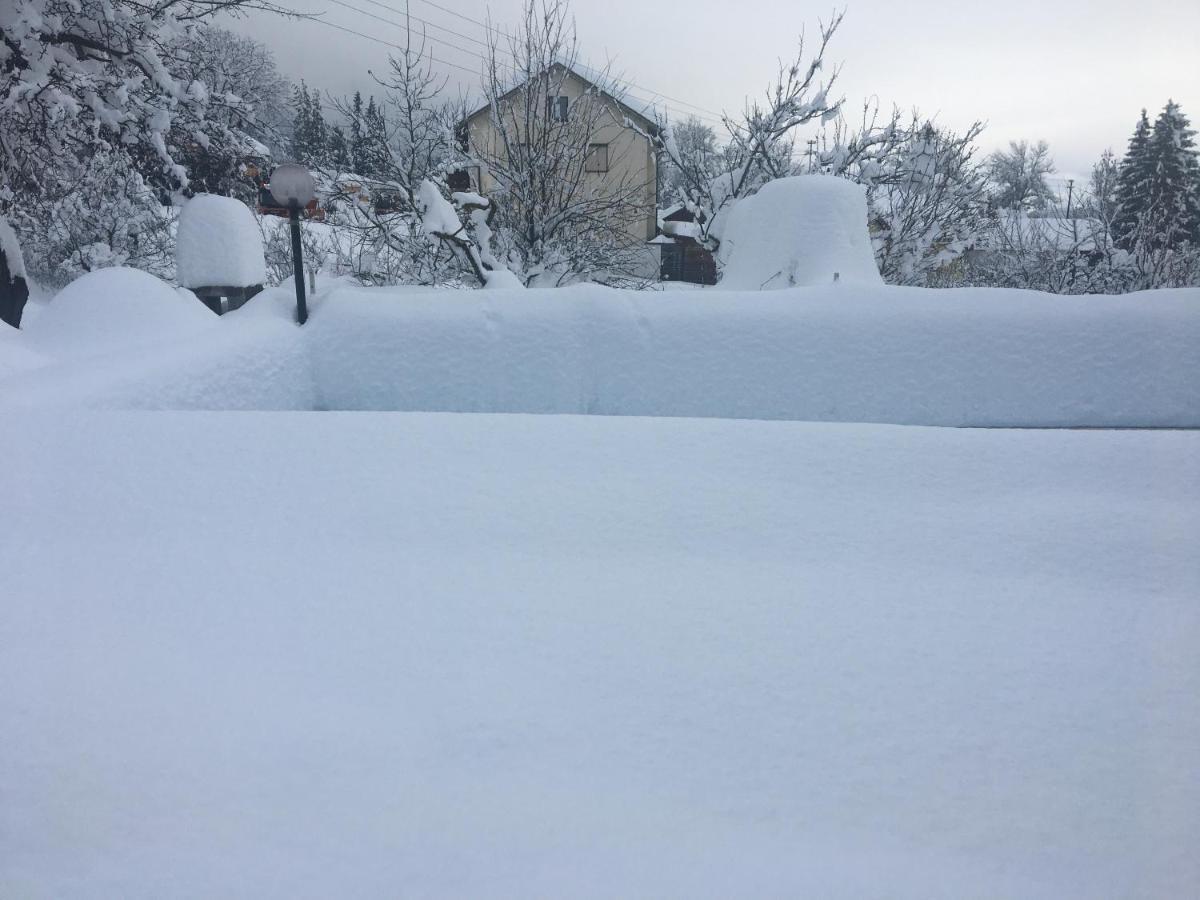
x=362 y=655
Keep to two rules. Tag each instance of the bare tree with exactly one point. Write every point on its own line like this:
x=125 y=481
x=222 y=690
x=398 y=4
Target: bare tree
x=760 y=139
x=557 y=217
x=1019 y=176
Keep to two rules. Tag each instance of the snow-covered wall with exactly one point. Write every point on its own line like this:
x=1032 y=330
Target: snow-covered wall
x=836 y=353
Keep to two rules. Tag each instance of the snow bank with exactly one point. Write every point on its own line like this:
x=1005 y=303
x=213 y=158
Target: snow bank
x=899 y=355
x=111 y=309
x=219 y=243
x=805 y=230
x=298 y=656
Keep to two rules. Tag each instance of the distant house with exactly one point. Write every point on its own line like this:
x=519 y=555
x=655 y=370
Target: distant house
x=620 y=150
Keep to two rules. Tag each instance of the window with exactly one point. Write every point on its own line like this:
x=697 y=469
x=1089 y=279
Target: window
x=556 y=108
x=597 y=158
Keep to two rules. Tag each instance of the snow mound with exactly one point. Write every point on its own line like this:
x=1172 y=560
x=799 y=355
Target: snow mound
x=806 y=230
x=219 y=243
x=112 y=308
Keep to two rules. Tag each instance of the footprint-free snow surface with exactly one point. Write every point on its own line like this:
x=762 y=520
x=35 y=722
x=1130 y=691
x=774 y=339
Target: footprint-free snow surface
x=280 y=655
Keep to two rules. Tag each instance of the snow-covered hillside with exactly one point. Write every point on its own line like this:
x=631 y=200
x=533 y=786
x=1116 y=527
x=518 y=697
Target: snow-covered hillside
x=842 y=352
x=348 y=655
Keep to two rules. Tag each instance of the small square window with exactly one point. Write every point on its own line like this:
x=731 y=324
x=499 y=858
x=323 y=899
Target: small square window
x=597 y=158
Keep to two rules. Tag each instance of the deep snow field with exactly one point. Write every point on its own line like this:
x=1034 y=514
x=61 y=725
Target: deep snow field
x=271 y=654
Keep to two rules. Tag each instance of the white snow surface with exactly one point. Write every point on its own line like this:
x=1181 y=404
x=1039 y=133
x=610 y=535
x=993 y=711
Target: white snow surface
x=364 y=655
x=837 y=353
x=218 y=244
x=109 y=311
x=798 y=231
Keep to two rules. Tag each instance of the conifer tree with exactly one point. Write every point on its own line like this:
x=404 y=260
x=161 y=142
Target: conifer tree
x=1176 y=178
x=319 y=141
x=1158 y=189
x=339 y=150
x=376 y=158
x=302 y=125
x=357 y=145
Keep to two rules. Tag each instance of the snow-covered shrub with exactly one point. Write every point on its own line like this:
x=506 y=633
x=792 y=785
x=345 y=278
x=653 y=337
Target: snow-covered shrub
x=104 y=214
x=798 y=231
x=218 y=243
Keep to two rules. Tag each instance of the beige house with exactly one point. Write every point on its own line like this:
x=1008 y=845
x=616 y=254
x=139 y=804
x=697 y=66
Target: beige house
x=620 y=156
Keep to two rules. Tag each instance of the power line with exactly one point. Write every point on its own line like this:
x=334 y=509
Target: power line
x=386 y=43
x=498 y=30
x=468 y=52
x=474 y=54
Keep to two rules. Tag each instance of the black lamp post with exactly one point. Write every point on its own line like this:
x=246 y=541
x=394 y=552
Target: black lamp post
x=292 y=185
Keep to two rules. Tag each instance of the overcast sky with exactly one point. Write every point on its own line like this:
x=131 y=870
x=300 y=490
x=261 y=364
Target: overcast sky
x=1074 y=72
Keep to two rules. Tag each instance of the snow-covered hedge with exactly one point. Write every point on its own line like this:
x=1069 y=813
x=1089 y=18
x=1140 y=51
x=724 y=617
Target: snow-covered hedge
x=840 y=353
x=836 y=353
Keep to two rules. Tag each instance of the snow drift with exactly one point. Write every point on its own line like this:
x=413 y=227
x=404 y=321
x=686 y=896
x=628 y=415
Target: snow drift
x=805 y=230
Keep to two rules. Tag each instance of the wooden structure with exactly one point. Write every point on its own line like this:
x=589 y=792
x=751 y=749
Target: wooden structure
x=683 y=258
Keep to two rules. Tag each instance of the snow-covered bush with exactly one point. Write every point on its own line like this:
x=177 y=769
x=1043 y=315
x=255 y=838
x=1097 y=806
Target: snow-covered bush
x=101 y=213
x=218 y=243
x=798 y=231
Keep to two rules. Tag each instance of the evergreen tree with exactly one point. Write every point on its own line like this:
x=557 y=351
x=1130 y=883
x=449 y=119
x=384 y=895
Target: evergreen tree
x=1158 y=189
x=339 y=150
x=1176 y=171
x=376 y=158
x=302 y=124
x=1133 y=184
x=319 y=142
x=357 y=144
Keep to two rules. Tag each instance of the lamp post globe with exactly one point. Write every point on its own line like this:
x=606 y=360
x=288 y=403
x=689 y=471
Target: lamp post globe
x=293 y=185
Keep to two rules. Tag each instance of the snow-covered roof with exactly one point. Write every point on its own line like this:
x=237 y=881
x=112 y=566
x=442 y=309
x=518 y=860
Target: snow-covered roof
x=632 y=106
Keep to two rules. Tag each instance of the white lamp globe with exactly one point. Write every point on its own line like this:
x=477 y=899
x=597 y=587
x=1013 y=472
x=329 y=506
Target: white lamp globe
x=292 y=184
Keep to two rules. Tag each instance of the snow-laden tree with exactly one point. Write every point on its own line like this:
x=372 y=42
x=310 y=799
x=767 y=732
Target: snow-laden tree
x=101 y=213
x=1018 y=176
x=395 y=145
x=82 y=77
x=927 y=204
x=694 y=141
x=759 y=140
x=926 y=191
x=310 y=133
x=1157 y=221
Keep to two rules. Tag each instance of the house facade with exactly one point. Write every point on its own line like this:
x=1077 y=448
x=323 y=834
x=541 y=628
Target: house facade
x=620 y=153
